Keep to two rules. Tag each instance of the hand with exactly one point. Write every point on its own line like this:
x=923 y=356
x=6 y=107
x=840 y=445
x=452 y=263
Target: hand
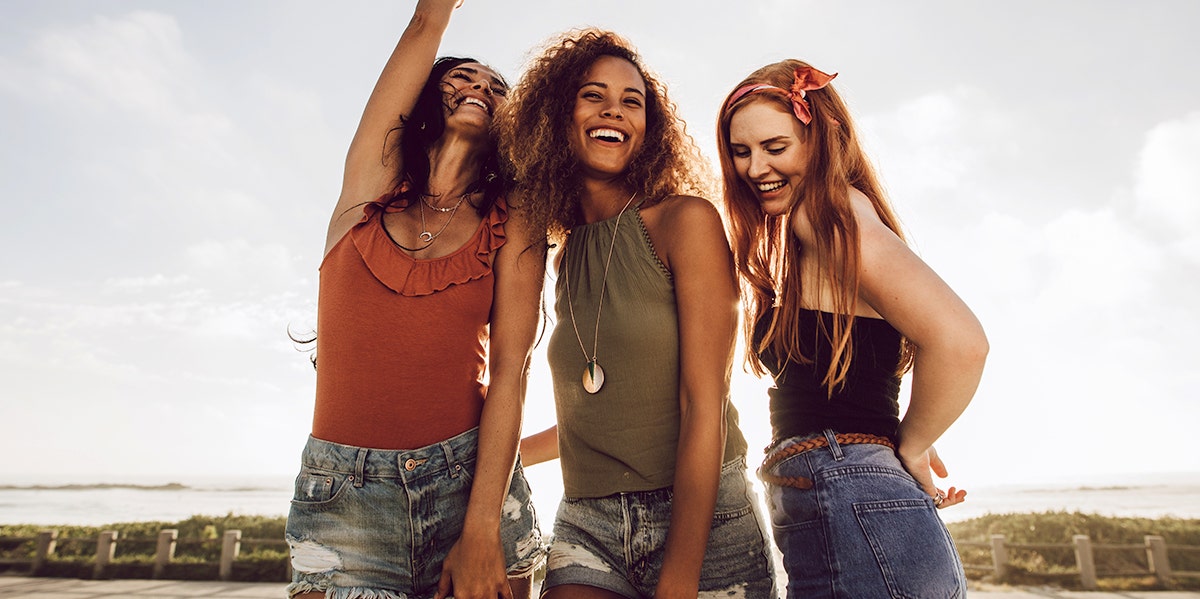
x=922 y=467
x=474 y=568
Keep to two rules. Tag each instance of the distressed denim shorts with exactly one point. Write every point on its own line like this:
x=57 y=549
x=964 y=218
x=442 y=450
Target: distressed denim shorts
x=864 y=529
x=617 y=542
x=379 y=523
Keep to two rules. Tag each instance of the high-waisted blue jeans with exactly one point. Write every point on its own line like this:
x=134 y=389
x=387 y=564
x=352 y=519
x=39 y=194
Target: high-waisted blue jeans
x=865 y=530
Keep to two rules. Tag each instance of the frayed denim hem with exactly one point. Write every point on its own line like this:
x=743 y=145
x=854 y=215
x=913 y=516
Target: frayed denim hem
x=529 y=565
x=297 y=588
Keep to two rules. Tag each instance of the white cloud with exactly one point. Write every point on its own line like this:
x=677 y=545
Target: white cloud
x=1167 y=190
x=130 y=61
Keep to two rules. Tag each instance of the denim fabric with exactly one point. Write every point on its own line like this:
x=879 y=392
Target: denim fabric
x=617 y=542
x=865 y=530
x=379 y=523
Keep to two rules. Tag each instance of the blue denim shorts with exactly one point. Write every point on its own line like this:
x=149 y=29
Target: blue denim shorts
x=864 y=529
x=379 y=523
x=617 y=542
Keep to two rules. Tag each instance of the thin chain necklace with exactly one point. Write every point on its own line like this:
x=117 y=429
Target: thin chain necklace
x=425 y=198
x=593 y=375
x=425 y=235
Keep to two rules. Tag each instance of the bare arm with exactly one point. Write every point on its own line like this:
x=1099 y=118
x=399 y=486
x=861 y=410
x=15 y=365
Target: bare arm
x=951 y=345
x=540 y=447
x=476 y=562
x=369 y=171
x=699 y=258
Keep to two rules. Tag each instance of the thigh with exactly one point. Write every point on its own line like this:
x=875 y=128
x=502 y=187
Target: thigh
x=579 y=591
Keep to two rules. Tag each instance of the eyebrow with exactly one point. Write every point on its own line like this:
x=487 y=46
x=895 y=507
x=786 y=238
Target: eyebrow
x=777 y=138
x=475 y=71
x=605 y=86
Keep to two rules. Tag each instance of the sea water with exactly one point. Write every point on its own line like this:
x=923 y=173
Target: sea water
x=95 y=502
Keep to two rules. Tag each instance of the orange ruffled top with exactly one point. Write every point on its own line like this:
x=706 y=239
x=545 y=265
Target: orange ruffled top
x=402 y=342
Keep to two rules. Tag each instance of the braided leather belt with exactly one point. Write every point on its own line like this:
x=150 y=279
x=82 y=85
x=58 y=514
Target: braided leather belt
x=803 y=482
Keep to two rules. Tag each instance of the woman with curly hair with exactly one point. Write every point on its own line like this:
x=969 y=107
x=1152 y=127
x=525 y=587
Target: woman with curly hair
x=837 y=308
x=656 y=496
x=410 y=484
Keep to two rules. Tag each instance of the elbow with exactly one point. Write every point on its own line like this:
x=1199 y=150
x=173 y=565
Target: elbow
x=975 y=349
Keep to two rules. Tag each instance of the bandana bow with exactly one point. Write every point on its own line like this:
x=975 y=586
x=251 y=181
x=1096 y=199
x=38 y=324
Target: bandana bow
x=805 y=79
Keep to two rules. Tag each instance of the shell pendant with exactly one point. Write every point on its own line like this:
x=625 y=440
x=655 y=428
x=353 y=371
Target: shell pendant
x=593 y=377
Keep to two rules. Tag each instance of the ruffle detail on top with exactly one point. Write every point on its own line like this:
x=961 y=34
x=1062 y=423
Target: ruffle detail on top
x=410 y=276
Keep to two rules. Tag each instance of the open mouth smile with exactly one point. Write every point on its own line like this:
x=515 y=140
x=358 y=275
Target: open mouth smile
x=609 y=135
x=473 y=101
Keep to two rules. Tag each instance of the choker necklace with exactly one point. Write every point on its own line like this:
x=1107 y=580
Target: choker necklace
x=593 y=375
x=425 y=235
x=425 y=198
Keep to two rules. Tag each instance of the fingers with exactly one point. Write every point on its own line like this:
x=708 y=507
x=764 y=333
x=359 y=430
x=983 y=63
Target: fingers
x=951 y=497
x=443 y=585
x=935 y=464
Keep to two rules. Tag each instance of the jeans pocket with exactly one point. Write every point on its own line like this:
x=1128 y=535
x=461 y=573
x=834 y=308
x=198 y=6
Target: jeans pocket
x=912 y=548
x=318 y=488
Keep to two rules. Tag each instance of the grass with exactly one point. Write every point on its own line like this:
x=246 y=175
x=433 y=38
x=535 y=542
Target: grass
x=1056 y=564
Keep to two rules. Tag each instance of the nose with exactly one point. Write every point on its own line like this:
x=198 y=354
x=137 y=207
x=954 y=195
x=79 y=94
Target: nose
x=756 y=166
x=613 y=111
x=483 y=86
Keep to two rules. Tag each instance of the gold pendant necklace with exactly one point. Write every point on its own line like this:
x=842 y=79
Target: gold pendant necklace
x=593 y=374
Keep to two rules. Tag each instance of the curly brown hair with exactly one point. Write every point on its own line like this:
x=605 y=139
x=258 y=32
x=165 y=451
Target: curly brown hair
x=533 y=127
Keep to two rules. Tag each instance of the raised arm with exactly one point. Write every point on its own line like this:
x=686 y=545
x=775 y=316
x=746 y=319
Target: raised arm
x=475 y=566
x=699 y=258
x=951 y=346
x=370 y=170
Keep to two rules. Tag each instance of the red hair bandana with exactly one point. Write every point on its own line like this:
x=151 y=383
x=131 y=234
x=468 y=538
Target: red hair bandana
x=805 y=79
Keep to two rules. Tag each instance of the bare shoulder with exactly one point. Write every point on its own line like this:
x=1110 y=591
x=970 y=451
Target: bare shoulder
x=685 y=228
x=682 y=211
x=864 y=212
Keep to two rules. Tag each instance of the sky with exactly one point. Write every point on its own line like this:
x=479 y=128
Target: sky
x=167 y=170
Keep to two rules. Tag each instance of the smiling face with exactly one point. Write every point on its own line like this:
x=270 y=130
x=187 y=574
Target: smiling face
x=609 y=120
x=768 y=154
x=471 y=94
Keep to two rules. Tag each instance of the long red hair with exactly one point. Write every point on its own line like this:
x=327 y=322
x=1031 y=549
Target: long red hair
x=766 y=253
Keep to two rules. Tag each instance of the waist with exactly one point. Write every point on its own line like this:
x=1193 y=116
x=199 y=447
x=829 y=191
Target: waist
x=434 y=458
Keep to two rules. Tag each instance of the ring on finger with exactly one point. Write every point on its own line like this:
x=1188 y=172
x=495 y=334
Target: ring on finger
x=937 y=501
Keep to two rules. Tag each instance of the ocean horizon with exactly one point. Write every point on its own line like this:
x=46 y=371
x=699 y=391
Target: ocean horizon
x=92 y=501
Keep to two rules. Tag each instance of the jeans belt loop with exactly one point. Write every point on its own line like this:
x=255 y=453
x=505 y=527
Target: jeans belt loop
x=360 y=467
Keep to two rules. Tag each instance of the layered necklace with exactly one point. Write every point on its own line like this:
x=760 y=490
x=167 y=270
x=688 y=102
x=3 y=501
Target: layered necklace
x=427 y=237
x=593 y=375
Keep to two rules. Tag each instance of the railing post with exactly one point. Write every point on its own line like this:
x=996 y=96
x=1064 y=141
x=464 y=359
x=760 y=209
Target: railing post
x=1156 y=556
x=165 y=552
x=231 y=545
x=1085 y=561
x=999 y=557
x=47 y=541
x=106 y=548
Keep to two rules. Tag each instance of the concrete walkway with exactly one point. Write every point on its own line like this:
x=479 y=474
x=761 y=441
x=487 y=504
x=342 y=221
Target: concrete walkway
x=13 y=587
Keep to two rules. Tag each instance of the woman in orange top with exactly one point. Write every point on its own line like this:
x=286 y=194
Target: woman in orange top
x=428 y=308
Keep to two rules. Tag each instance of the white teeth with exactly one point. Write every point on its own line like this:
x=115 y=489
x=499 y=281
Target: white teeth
x=766 y=187
x=475 y=101
x=607 y=134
